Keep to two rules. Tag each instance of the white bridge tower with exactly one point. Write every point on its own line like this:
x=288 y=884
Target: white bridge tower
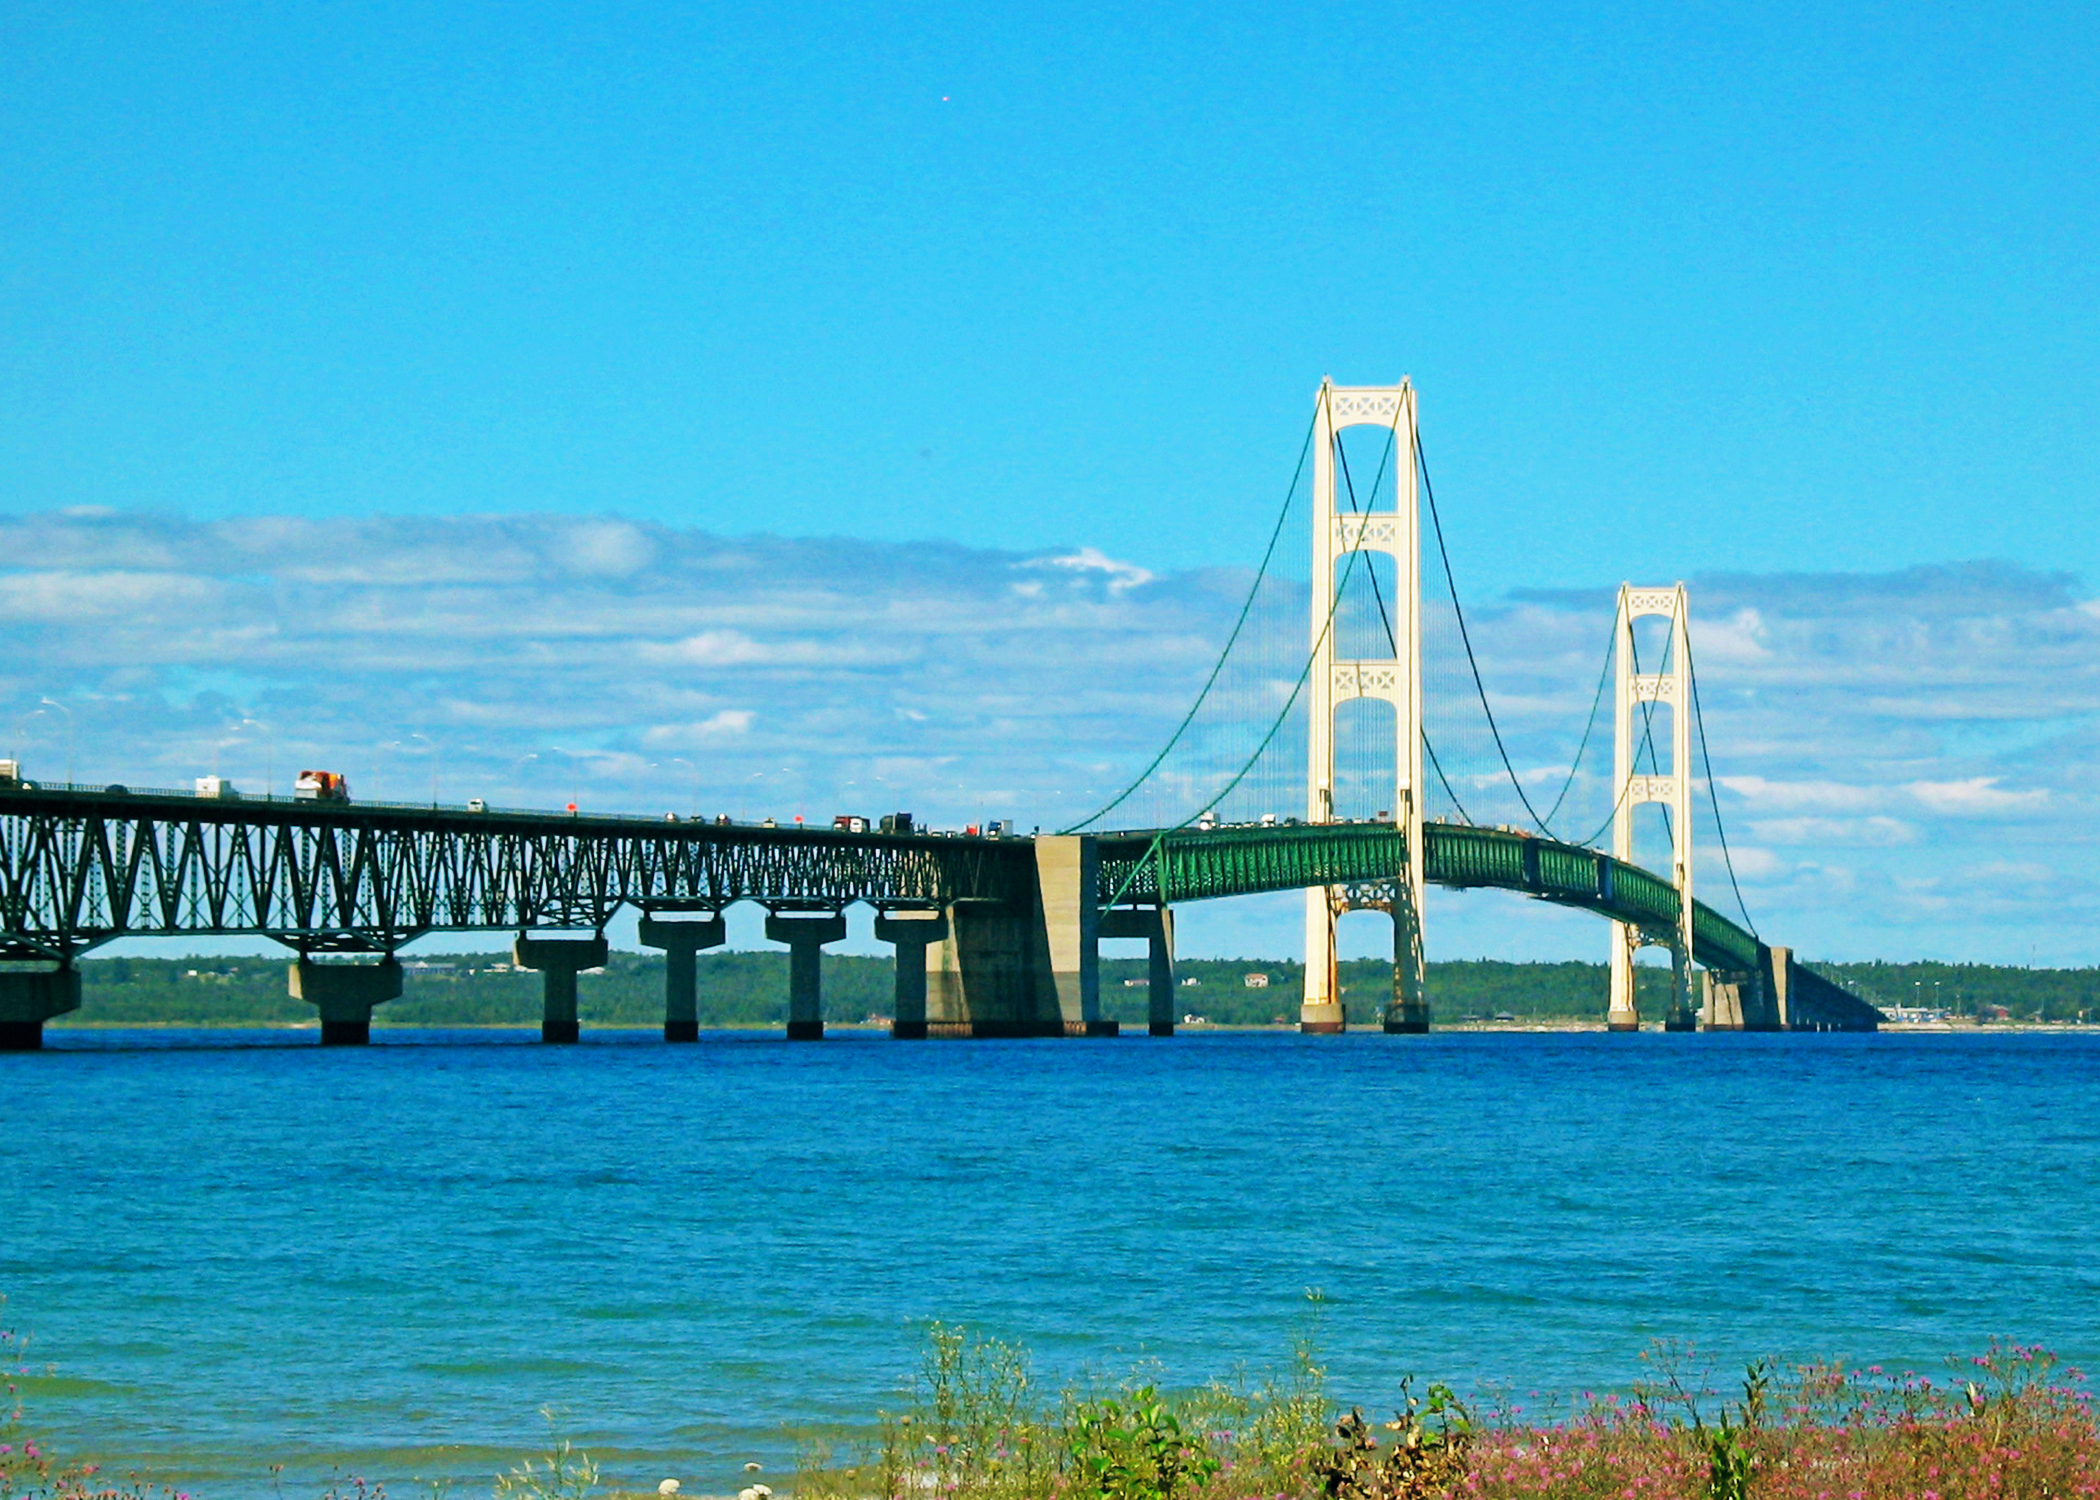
x=1670 y=687
x=1397 y=679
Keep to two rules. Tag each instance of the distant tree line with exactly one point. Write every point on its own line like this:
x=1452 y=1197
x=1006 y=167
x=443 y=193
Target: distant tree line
x=1976 y=990
x=750 y=989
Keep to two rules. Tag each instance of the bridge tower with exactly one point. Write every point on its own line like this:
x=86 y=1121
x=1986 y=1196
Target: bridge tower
x=1337 y=533
x=1670 y=687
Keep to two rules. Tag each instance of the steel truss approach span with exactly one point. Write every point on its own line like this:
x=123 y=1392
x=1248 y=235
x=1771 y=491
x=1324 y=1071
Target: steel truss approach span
x=80 y=867
x=1195 y=865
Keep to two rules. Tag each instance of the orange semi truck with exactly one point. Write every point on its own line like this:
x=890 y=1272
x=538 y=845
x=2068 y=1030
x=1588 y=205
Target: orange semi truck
x=321 y=786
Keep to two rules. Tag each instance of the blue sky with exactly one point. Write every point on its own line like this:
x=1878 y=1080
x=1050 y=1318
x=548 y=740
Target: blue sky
x=1798 y=303
x=1685 y=287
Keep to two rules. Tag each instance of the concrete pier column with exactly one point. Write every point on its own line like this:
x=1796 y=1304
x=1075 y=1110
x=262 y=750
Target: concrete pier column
x=681 y=941
x=1777 y=973
x=344 y=994
x=1068 y=880
x=1622 y=1010
x=1155 y=924
x=29 y=998
x=559 y=961
x=805 y=936
x=913 y=932
x=1681 y=1017
x=1321 y=1012
x=1161 y=996
x=1407 y=1013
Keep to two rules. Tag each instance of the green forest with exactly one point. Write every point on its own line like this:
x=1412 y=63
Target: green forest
x=750 y=989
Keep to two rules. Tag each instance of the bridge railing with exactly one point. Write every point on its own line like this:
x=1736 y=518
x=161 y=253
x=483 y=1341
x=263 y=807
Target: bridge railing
x=236 y=801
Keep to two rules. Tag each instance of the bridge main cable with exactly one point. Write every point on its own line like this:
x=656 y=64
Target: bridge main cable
x=1217 y=667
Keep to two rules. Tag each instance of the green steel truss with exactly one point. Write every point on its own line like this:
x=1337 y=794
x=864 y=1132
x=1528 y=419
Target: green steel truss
x=80 y=867
x=1193 y=865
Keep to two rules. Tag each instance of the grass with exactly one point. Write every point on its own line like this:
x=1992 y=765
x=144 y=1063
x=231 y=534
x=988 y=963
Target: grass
x=973 y=1423
x=2005 y=1425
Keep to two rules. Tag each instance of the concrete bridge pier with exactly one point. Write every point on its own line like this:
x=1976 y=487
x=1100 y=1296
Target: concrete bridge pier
x=1776 y=970
x=1068 y=882
x=29 y=998
x=681 y=942
x=1155 y=924
x=985 y=979
x=559 y=961
x=1621 y=1012
x=1682 y=1016
x=912 y=933
x=1321 y=1013
x=344 y=994
x=805 y=935
x=1407 y=1014
x=1736 y=1000
x=1029 y=966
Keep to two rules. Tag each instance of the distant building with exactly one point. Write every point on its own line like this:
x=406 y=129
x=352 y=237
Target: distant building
x=1256 y=981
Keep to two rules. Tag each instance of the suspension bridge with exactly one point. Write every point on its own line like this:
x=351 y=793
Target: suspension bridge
x=1317 y=700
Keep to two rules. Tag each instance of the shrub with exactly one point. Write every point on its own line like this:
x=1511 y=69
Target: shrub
x=1133 y=1449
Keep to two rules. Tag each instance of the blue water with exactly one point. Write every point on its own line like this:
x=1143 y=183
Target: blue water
x=241 y=1249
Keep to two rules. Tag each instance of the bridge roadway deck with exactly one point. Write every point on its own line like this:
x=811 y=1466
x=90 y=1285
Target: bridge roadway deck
x=80 y=866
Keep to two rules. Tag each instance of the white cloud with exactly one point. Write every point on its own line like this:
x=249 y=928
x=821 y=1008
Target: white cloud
x=61 y=597
x=727 y=724
x=733 y=648
x=1975 y=795
x=1870 y=833
x=603 y=549
x=1866 y=731
x=1792 y=796
x=1753 y=863
x=1740 y=637
x=1121 y=575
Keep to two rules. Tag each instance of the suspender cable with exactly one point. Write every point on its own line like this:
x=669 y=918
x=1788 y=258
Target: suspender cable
x=1713 y=797
x=1275 y=725
x=1246 y=608
x=1443 y=780
x=1436 y=521
x=1588 y=729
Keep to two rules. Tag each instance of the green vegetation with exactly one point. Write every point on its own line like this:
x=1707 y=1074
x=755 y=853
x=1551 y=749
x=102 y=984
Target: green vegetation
x=750 y=989
x=2005 y=1424
x=975 y=1425
x=472 y=989
x=1977 y=990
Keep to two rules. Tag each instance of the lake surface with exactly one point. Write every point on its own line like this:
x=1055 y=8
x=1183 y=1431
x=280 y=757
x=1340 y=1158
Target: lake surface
x=240 y=1249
